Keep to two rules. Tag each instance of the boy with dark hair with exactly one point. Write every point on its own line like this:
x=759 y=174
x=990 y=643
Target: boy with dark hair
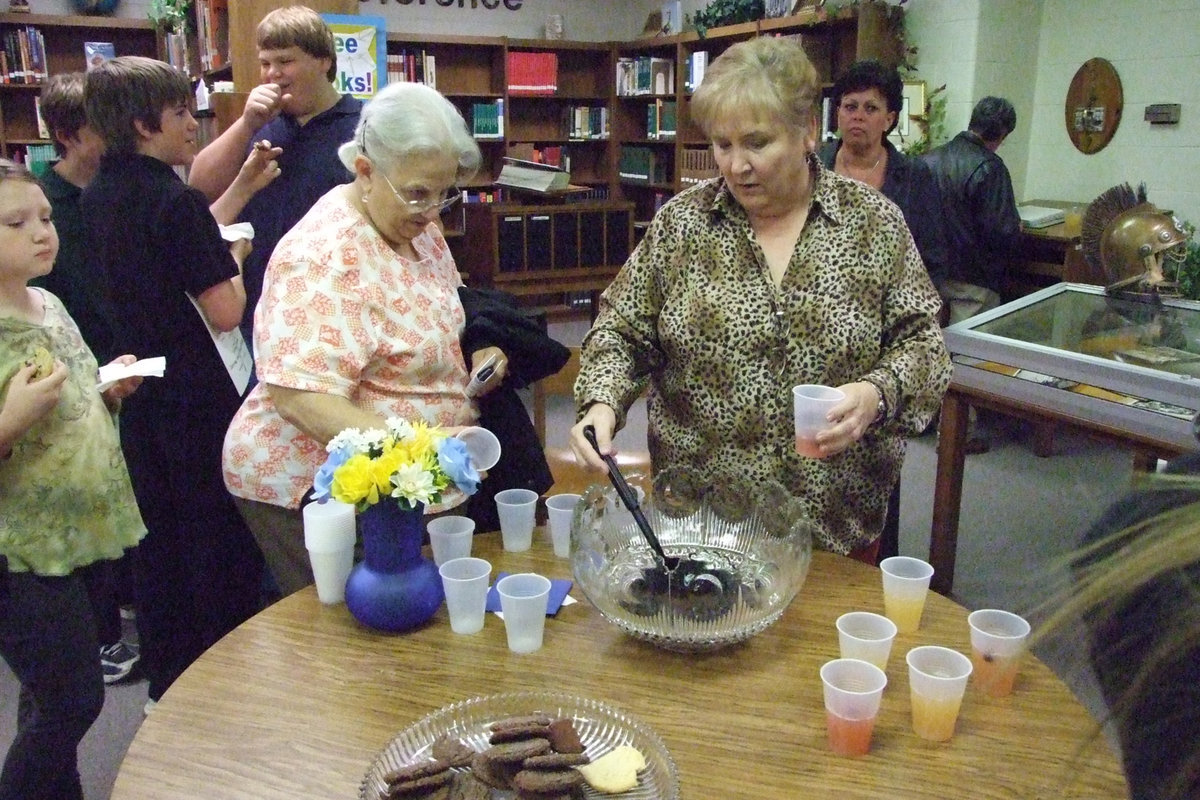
x=198 y=572
x=296 y=108
x=79 y=282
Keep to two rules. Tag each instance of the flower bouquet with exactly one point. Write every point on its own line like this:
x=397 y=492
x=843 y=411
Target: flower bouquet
x=394 y=587
x=411 y=462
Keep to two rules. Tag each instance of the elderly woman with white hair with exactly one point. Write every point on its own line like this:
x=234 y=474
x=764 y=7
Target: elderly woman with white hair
x=360 y=318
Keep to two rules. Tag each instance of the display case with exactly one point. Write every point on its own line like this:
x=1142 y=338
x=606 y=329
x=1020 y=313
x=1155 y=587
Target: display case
x=1128 y=364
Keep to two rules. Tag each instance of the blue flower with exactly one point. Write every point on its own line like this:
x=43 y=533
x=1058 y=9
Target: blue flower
x=455 y=461
x=323 y=480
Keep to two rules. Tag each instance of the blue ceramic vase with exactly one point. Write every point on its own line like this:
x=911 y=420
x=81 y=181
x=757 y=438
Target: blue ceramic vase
x=394 y=588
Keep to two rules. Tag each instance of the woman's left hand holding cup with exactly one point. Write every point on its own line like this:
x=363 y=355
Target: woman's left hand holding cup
x=851 y=417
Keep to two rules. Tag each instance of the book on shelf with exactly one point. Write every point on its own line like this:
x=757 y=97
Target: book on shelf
x=660 y=119
x=43 y=130
x=487 y=120
x=412 y=66
x=697 y=165
x=531 y=175
x=23 y=57
x=96 y=53
x=532 y=73
x=662 y=75
x=38 y=158
x=696 y=64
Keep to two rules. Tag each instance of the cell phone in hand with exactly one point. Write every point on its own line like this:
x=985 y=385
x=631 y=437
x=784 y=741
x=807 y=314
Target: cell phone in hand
x=481 y=376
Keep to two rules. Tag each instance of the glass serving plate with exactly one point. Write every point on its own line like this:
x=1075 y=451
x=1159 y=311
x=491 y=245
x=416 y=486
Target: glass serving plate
x=601 y=727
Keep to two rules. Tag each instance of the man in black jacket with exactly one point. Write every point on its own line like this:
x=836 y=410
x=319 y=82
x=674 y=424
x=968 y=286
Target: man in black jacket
x=979 y=210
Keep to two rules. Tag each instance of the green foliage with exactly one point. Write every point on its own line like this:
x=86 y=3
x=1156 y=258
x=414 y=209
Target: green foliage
x=932 y=122
x=169 y=16
x=727 y=12
x=1187 y=273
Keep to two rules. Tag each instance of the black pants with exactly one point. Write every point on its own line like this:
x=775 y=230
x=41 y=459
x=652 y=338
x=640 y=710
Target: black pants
x=48 y=638
x=889 y=540
x=198 y=572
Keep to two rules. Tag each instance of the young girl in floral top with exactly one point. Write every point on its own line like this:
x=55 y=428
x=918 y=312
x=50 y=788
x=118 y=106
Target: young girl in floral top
x=65 y=502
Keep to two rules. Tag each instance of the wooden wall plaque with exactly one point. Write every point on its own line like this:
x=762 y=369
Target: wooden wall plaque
x=1094 y=105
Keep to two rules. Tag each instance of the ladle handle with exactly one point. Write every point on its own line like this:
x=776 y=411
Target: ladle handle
x=627 y=495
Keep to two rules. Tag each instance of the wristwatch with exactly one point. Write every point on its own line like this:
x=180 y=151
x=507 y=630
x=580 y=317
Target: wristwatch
x=881 y=410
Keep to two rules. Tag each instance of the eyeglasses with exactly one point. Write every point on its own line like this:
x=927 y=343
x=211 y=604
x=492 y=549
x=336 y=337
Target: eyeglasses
x=418 y=201
x=870 y=109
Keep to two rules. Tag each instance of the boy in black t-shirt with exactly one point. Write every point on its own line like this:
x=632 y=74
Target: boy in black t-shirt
x=198 y=572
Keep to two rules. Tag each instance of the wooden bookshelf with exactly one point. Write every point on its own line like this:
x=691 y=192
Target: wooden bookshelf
x=64 y=36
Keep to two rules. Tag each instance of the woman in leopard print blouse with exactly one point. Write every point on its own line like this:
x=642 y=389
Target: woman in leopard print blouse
x=777 y=273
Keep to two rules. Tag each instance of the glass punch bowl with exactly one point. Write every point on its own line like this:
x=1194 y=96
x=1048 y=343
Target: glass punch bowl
x=744 y=550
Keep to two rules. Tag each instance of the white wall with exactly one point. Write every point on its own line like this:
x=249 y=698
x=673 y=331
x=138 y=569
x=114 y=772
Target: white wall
x=1155 y=47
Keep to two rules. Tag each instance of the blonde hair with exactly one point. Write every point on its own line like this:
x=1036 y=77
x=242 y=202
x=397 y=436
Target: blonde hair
x=1150 y=564
x=298 y=26
x=766 y=78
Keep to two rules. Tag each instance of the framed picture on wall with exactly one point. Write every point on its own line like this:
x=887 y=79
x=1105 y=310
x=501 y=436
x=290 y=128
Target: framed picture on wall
x=912 y=105
x=778 y=8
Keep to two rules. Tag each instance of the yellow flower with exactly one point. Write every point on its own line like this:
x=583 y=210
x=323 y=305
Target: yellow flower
x=354 y=481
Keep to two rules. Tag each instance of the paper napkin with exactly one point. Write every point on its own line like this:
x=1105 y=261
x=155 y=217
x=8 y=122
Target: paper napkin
x=146 y=367
x=558 y=595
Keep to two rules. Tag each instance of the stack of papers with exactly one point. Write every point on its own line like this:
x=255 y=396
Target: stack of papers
x=1040 y=216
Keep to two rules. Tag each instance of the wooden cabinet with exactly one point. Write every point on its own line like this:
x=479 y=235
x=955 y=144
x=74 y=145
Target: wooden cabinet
x=63 y=36
x=832 y=41
x=544 y=253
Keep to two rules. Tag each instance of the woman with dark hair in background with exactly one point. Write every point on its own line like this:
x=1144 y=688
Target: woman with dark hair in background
x=868 y=98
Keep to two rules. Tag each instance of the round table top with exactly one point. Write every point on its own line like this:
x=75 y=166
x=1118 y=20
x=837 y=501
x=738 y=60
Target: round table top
x=299 y=700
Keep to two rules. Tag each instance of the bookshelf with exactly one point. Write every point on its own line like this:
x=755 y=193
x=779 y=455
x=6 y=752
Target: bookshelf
x=63 y=36
x=832 y=41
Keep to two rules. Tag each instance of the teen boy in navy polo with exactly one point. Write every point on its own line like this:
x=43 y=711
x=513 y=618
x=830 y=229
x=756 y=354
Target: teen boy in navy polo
x=198 y=572
x=297 y=108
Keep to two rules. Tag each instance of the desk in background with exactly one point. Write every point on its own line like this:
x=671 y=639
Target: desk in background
x=297 y=702
x=1049 y=255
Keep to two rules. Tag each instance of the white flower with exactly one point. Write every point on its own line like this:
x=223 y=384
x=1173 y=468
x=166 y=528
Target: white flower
x=413 y=483
x=400 y=429
x=350 y=440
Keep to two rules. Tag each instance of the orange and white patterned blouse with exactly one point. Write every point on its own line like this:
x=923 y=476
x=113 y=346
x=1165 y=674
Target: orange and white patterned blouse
x=341 y=313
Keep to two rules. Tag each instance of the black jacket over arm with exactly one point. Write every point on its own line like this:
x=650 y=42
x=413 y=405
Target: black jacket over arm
x=494 y=319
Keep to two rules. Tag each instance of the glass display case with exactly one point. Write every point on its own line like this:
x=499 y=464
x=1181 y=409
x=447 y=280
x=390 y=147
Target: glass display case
x=1123 y=362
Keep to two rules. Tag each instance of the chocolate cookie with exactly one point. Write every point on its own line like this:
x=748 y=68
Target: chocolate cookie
x=496 y=774
x=563 y=737
x=465 y=786
x=516 y=752
x=548 y=781
x=531 y=719
x=420 y=787
x=517 y=733
x=452 y=750
x=420 y=769
x=555 y=760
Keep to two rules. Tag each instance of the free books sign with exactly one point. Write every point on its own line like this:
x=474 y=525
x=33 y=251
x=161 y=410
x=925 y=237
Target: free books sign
x=361 y=45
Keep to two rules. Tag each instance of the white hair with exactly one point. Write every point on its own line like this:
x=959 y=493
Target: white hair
x=406 y=120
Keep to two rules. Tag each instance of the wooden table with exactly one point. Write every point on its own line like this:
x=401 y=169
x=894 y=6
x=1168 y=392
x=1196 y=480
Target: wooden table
x=1049 y=255
x=297 y=702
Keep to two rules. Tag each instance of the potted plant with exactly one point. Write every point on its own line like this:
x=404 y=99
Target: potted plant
x=727 y=12
x=169 y=16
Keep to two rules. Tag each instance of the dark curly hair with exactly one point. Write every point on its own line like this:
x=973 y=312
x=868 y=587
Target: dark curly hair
x=872 y=74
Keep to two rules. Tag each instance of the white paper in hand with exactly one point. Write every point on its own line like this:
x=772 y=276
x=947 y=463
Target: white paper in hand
x=146 y=368
x=238 y=230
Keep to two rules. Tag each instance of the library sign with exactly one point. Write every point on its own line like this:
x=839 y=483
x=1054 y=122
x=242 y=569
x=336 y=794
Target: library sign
x=361 y=44
x=491 y=5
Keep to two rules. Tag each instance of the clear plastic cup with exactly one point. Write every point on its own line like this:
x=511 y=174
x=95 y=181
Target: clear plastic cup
x=482 y=446
x=465 y=581
x=810 y=404
x=853 y=689
x=329 y=536
x=524 y=598
x=905 y=585
x=937 y=678
x=866 y=636
x=560 y=508
x=450 y=537
x=516 y=508
x=997 y=645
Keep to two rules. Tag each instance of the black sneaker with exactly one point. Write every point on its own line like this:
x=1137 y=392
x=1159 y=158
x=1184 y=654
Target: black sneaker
x=117 y=661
